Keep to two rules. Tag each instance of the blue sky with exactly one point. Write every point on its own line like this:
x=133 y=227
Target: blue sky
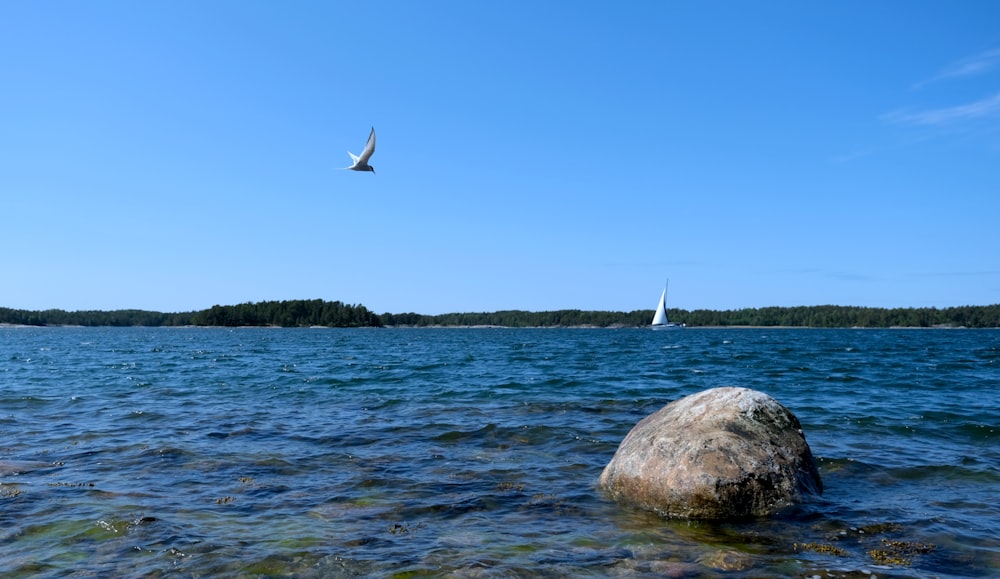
x=531 y=155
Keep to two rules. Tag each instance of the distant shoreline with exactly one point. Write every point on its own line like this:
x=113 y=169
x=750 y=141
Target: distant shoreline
x=312 y=313
x=493 y=327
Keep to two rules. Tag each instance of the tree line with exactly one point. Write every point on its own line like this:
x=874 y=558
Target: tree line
x=303 y=313
x=800 y=317
x=524 y=319
x=93 y=318
x=845 y=317
x=295 y=313
x=289 y=313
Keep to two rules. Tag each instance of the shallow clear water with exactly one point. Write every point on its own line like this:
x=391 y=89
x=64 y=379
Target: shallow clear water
x=200 y=452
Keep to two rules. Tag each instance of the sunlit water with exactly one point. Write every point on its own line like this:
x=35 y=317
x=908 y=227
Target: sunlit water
x=200 y=452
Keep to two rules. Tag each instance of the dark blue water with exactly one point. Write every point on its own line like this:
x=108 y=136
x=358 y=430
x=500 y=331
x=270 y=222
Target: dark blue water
x=197 y=452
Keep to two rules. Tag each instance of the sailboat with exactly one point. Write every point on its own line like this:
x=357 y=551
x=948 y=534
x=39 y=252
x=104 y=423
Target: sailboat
x=660 y=321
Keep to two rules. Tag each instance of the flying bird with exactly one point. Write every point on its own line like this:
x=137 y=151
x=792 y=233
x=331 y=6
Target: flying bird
x=361 y=161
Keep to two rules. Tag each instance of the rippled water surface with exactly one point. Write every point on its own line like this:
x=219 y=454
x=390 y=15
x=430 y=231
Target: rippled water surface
x=198 y=452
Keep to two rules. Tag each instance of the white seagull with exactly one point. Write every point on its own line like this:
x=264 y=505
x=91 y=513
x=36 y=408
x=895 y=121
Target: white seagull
x=361 y=161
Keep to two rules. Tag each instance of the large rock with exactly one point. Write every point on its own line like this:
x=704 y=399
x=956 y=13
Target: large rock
x=722 y=453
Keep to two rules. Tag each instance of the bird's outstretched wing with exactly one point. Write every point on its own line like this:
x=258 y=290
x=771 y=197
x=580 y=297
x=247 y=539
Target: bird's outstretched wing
x=369 y=149
x=361 y=161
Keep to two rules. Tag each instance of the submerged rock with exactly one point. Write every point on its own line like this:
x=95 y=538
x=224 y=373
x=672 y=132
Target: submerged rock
x=722 y=453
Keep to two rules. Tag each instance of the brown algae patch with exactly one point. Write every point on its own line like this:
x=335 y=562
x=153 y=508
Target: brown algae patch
x=505 y=486
x=899 y=553
x=889 y=551
x=404 y=528
x=893 y=551
x=880 y=528
x=72 y=485
x=824 y=548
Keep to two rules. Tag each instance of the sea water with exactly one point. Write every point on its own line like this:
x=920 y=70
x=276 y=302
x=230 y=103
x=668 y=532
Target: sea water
x=198 y=452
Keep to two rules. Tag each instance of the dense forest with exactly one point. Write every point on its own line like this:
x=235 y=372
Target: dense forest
x=292 y=313
x=802 y=316
x=296 y=313
x=304 y=313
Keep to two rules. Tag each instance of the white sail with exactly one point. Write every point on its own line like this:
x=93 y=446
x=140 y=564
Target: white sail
x=660 y=321
x=660 y=317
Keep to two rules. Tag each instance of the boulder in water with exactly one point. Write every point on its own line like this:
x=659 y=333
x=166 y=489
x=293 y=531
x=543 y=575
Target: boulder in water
x=719 y=454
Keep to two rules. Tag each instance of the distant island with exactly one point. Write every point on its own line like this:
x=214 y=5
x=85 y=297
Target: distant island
x=335 y=314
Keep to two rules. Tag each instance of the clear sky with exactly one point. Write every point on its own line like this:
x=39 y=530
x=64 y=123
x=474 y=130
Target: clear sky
x=173 y=155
